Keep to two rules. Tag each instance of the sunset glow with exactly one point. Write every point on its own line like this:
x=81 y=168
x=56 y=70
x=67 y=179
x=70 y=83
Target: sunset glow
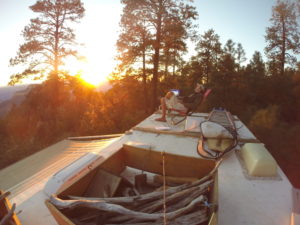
x=90 y=69
x=98 y=37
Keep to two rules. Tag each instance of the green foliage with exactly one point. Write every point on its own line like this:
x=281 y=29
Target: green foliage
x=59 y=108
x=283 y=142
x=240 y=55
x=208 y=54
x=265 y=119
x=282 y=37
x=148 y=27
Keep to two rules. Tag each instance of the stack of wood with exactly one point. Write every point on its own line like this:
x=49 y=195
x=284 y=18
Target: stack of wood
x=7 y=212
x=185 y=204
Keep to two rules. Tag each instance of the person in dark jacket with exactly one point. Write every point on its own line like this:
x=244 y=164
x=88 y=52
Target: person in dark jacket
x=179 y=104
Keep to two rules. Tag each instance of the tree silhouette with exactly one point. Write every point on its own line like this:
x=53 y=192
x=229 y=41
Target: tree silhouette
x=161 y=18
x=282 y=36
x=240 y=55
x=208 y=52
x=48 y=38
x=134 y=44
x=229 y=48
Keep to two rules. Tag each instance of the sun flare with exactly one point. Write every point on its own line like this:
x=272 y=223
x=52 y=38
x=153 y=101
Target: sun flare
x=98 y=44
x=90 y=70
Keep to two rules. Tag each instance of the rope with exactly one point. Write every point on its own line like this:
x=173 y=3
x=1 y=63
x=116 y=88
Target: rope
x=231 y=130
x=164 y=188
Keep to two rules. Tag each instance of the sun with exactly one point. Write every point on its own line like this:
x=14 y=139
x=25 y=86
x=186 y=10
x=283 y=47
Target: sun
x=98 y=44
x=90 y=70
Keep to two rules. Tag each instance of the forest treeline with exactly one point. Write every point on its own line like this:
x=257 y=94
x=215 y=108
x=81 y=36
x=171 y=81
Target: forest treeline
x=264 y=92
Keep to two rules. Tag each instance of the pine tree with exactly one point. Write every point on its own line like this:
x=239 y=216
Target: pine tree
x=156 y=17
x=257 y=65
x=134 y=44
x=208 y=52
x=282 y=36
x=229 y=48
x=240 y=55
x=48 y=38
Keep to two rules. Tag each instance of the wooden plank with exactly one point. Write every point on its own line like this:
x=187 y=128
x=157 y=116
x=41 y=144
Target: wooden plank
x=92 y=138
x=114 y=164
x=179 y=115
x=4 y=195
x=178 y=133
x=8 y=217
x=175 y=165
x=5 y=208
x=79 y=187
x=113 y=208
x=244 y=140
x=193 y=218
x=173 y=180
x=60 y=218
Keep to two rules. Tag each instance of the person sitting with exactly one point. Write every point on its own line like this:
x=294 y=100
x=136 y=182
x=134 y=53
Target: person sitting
x=177 y=104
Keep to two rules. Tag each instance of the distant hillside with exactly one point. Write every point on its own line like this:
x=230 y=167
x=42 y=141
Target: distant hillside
x=13 y=96
x=8 y=92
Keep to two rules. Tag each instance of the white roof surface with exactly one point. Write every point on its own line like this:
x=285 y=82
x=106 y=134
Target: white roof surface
x=241 y=200
x=252 y=201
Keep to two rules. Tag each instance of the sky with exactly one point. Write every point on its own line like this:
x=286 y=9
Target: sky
x=240 y=20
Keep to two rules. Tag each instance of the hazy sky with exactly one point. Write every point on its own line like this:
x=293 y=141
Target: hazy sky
x=240 y=20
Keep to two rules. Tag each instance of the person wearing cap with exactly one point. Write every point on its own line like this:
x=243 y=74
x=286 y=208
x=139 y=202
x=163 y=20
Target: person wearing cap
x=180 y=105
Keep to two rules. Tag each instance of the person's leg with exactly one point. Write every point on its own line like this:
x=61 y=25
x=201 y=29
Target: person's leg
x=164 y=110
x=179 y=107
x=181 y=111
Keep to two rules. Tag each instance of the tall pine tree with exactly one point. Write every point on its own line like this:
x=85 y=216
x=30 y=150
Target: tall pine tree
x=282 y=36
x=208 y=52
x=157 y=16
x=48 y=38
